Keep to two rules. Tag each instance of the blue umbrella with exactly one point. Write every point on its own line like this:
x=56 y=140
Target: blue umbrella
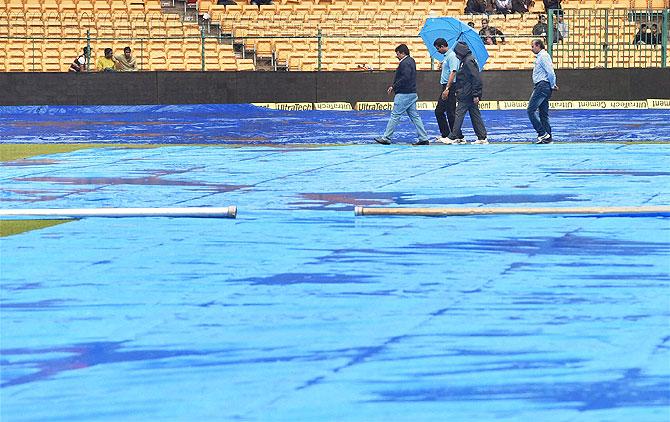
x=453 y=30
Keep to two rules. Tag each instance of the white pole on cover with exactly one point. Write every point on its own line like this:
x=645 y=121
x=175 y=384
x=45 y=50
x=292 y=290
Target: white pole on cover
x=201 y=212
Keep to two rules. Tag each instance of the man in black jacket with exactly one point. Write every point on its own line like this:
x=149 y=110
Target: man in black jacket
x=488 y=33
x=552 y=5
x=540 y=27
x=475 y=6
x=404 y=86
x=468 y=94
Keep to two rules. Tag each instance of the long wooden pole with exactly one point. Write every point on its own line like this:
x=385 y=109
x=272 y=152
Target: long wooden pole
x=663 y=209
x=203 y=212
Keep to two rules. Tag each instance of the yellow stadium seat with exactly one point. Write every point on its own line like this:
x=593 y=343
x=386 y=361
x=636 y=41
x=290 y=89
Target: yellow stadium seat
x=245 y=65
x=52 y=28
x=192 y=60
x=174 y=28
x=15 y=6
x=33 y=7
x=35 y=27
x=152 y=6
x=18 y=28
x=50 y=6
x=4 y=25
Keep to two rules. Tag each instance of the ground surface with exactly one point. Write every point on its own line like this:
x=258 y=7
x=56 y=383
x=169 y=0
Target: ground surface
x=297 y=310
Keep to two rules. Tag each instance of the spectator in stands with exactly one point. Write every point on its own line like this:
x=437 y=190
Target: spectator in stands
x=540 y=27
x=404 y=86
x=521 y=6
x=544 y=80
x=641 y=36
x=261 y=2
x=126 y=62
x=225 y=3
x=471 y=24
x=562 y=28
x=446 y=102
x=80 y=64
x=488 y=33
x=468 y=93
x=475 y=6
x=557 y=33
x=503 y=6
x=106 y=63
x=552 y=4
x=655 y=38
x=207 y=21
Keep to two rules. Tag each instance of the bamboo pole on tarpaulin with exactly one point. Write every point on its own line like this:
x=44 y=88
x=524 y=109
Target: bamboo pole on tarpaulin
x=461 y=211
x=198 y=212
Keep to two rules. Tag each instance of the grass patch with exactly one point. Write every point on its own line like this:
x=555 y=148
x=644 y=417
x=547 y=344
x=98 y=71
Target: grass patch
x=11 y=152
x=12 y=227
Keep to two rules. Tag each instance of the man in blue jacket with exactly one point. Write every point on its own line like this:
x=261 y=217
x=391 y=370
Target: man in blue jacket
x=468 y=94
x=404 y=86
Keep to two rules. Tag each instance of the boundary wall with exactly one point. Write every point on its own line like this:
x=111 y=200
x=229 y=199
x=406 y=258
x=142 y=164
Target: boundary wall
x=146 y=88
x=483 y=105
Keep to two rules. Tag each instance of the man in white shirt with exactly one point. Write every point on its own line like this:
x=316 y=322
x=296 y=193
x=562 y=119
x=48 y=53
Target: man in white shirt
x=504 y=6
x=544 y=79
x=562 y=27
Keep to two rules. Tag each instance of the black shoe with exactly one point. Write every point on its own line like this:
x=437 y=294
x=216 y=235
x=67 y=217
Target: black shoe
x=548 y=140
x=421 y=143
x=382 y=141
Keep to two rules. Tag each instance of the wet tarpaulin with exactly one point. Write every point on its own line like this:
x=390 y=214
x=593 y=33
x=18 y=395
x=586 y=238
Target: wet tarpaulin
x=248 y=124
x=299 y=311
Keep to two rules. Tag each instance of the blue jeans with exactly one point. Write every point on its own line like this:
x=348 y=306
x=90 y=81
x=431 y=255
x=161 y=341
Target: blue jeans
x=539 y=104
x=405 y=103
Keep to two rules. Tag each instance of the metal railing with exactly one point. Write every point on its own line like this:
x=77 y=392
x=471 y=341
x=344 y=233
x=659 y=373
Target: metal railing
x=608 y=38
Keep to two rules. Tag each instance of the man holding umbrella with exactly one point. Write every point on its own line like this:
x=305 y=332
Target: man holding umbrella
x=446 y=102
x=468 y=94
x=471 y=51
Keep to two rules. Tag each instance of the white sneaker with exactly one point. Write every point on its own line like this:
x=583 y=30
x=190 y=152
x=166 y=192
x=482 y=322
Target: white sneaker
x=443 y=140
x=449 y=141
x=543 y=139
x=481 y=141
x=460 y=141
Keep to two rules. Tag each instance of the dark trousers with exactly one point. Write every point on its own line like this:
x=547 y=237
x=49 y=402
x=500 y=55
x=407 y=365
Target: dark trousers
x=447 y=107
x=463 y=107
x=539 y=105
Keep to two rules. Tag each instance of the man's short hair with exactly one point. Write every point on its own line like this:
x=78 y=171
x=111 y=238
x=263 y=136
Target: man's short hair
x=108 y=51
x=538 y=42
x=126 y=49
x=541 y=17
x=440 y=42
x=402 y=48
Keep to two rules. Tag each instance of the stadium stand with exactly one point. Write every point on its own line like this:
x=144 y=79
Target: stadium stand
x=46 y=35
